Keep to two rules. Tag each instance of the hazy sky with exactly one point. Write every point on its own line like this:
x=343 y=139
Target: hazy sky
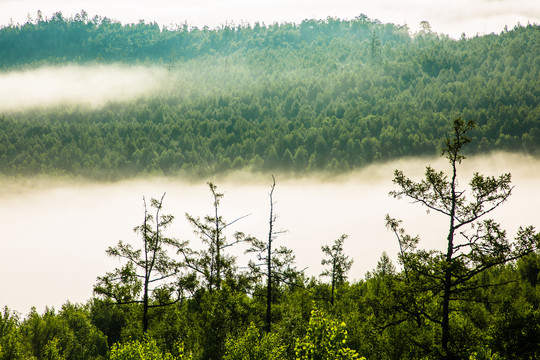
x=451 y=17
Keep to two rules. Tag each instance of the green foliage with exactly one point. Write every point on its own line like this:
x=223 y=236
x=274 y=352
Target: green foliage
x=215 y=316
x=10 y=337
x=212 y=265
x=325 y=95
x=67 y=335
x=251 y=345
x=326 y=339
x=388 y=315
x=114 y=322
x=474 y=244
x=146 y=349
x=516 y=332
x=149 y=273
x=339 y=263
x=86 y=342
x=52 y=351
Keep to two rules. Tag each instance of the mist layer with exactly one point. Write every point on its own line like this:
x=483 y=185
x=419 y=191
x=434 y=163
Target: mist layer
x=58 y=232
x=92 y=86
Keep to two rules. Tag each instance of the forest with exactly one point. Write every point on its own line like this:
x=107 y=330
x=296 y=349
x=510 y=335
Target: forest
x=173 y=299
x=324 y=95
x=320 y=96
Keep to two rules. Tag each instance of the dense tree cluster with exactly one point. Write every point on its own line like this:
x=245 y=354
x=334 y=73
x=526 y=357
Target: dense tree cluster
x=321 y=95
x=499 y=323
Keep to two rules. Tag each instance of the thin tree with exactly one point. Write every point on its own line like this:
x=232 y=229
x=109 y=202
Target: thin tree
x=406 y=243
x=339 y=264
x=473 y=244
x=212 y=263
x=271 y=237
x=148 y=271
x=374 y=44
x=277 y=262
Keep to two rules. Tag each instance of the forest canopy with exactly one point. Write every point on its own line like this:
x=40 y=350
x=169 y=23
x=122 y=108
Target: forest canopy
x=322 y=95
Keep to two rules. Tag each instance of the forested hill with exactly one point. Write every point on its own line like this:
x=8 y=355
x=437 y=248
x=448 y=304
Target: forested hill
x=321 y=95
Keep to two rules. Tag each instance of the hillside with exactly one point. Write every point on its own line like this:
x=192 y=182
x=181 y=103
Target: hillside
x=329 y=95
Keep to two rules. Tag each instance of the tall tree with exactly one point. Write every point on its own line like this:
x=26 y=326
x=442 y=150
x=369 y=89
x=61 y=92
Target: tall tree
x=473 y=244
x=276 y=263
x=149 y=271
x=271 y=236
x=339 y=264
x=10 y=336
x=374 y=44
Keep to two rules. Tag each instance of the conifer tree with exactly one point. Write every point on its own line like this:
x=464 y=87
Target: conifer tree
x=148 y=271
x=474 y=244
x=339 y=264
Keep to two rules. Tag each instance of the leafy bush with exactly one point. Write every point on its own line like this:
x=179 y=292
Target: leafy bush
x=144 y=350
x=251 y=345
x=326 y=339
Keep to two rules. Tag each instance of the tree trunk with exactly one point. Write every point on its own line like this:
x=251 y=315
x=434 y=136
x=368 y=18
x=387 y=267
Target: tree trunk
x=446 y=301
x=147 y=270
x=269 y=293
x=218 y=246
x=447 y=286
x=145 y=307
x=269 y=261
x=333 y=282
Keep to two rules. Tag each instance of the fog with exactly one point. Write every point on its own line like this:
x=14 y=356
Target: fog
x=55 y=233
x=92 y=86
x=98 y=85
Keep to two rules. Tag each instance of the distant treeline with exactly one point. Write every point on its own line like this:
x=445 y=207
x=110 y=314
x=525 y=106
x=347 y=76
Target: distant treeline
x=321 y=95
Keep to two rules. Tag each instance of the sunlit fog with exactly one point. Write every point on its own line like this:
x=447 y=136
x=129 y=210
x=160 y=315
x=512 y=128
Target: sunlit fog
x=93 y=86
x=56 y=233
x=96 y=86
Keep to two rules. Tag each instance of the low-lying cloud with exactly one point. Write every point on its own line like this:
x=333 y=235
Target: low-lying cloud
x=58 y=231
x=94 y=86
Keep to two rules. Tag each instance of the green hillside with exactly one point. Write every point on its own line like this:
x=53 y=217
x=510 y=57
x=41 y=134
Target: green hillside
x=326 y=95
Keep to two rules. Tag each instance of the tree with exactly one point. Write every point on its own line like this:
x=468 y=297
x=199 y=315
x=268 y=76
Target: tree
x=271 y=236
x=276 y=261
x=326 y=339
x=10 y=337
x=252 y=345
x=474 y=244
x=339 y=264
x=148 y=270
x=68 y=335
x=425 y=27
x=212 y=263
x=374 y=45
x=145 y=350
x=52 y=351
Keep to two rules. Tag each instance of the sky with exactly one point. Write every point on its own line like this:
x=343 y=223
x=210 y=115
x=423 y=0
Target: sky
x=451 y=17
